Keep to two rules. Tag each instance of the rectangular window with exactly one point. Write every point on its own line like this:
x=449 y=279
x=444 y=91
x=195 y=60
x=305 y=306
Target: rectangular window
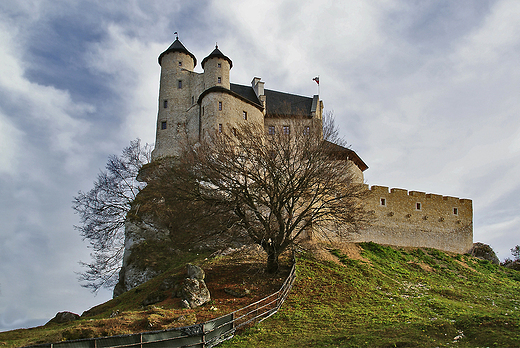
x=383 y=201
x=307 y=130
x=455 y=211
x=220 y=127
x=219 y=65
x=165 y=103
x=219 y=106
x=180 y=63
x=179 y=84
x=219 y=79
x=203 y=111
x=192 y=99
x=271 y=130
x=234 y=131
x=286 y=130
x=244 y=115
x=417 y=206
x=163 y=125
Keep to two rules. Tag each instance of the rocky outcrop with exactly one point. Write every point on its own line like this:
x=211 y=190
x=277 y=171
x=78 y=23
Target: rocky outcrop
x=484 y=252
x=135 y=271
x=513 y=265
x=63 y=317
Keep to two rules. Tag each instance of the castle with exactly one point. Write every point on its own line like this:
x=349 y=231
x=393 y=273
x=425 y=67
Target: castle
x=192 y=104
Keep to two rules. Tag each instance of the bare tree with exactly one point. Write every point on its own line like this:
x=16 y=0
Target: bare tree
x=277 y=186
x=103 y=211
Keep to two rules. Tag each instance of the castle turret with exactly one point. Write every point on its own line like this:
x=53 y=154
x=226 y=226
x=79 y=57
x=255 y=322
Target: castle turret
x=175 y=97
x=216 y=69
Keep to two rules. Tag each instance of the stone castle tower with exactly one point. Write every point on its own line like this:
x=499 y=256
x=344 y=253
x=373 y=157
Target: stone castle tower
x=192 y=104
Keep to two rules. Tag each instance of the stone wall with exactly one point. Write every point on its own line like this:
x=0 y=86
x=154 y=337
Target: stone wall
x=417 y=219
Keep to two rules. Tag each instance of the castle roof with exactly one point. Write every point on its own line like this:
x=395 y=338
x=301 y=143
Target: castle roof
x=341 y=152
x=216 y=54
x=280 y=104
x=246 y=92
x=177 y=46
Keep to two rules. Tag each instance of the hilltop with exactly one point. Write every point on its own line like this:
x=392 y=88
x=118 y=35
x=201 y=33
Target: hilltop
x=366 y=295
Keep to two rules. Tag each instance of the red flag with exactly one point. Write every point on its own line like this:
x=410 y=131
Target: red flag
x=317 y=79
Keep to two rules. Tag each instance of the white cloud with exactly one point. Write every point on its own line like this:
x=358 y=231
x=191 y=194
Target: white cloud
x=131 y=65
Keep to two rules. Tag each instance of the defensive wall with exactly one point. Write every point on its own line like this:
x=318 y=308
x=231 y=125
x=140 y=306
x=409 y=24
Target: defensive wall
x=417 y=219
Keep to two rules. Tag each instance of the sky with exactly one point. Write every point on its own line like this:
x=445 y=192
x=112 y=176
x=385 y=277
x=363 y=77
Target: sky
x=426 y=92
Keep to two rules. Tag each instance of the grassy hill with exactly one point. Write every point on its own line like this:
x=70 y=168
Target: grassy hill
x=366 y=295
x=395 y=298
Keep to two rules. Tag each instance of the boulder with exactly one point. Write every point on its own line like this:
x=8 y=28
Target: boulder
x=195 y=272
x=194 y=293
x=64 y=317
x=484 y=252
x=513 y=265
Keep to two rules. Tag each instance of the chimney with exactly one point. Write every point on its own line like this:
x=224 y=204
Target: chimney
x=258 y=86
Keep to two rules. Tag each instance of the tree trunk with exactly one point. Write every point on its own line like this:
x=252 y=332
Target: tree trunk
x=272 y=262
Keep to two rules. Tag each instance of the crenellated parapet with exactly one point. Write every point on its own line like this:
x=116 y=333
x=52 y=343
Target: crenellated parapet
x=394 y=205
x=418 y=219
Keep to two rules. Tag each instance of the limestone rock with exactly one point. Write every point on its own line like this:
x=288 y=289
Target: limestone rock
x=484 y=252
x=195 y=272
x=514 y=265
x=64 y=317
x=194 y=293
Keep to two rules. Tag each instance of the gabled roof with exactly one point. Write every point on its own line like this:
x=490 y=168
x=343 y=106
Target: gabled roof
x=246 y=92
x=280 y=104
x=177 y=46
x=216 y=54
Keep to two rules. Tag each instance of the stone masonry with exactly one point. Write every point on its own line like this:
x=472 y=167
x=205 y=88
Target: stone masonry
x=192 y=104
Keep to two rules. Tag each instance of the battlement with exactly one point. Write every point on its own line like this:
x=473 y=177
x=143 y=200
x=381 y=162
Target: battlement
x=418 y=219
x=430 y=197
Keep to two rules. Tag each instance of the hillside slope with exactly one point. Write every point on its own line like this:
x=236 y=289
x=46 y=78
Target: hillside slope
x=377 y=296
x=395 y=298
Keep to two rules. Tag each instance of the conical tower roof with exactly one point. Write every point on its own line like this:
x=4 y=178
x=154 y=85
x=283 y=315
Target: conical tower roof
x=177 y=46
x=216 y=54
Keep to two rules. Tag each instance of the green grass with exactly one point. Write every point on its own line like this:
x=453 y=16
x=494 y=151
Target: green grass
x=396 y=298
x=420 y=298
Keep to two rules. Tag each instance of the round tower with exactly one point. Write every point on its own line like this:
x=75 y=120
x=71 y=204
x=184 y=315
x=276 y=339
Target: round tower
x=216 y=69
x=177 y=63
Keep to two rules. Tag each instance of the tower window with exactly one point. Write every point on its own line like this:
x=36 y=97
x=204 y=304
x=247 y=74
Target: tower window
x=203 y=111
x=219 y=106
x=271 y=130
x=307 y=130
x=180 y=63
x=286 y=130
x=383 y=202
x=192 y=99
x=219 y=79
x=179 y=84
x=417 y=206
x=163 y=125
x=455 y=211
x=234 y=131
x=165 y=103
x=220 y=127
x=219 y=65
x=244 y=115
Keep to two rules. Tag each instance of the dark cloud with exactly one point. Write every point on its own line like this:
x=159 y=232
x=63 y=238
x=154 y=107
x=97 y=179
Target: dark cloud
x=426 y=92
